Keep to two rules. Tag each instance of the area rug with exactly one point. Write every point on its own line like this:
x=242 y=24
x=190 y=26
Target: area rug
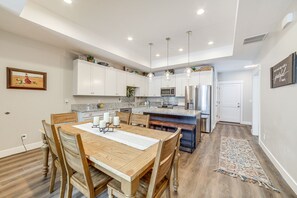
x=237 y=159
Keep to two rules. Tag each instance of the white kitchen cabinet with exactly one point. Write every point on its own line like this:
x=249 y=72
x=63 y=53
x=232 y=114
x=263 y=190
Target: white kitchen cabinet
x=141 y=84
x=131 y=80
x=121 y=83
x=155 y=87
x=181 y=82
x=168 y=82
x=194 y=78
x=88 y=78
x=110 y=82
x=206 y=78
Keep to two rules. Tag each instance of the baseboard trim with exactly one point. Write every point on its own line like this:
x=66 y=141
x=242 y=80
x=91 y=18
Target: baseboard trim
x=19 y=149
x=246 y=123
x=291 y=182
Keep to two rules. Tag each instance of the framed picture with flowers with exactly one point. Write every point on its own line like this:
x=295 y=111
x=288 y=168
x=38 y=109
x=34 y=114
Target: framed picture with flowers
x=25 y=79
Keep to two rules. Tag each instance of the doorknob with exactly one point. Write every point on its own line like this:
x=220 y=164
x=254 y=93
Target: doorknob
x=238 y=105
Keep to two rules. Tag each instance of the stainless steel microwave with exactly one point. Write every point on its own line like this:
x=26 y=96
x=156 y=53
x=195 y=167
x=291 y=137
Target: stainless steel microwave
x=168 y=91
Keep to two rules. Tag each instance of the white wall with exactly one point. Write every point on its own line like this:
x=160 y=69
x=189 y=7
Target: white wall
x=28 y=107
x=246 y=77
x=278 y=135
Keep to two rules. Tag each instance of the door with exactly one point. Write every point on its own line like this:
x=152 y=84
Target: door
x=230 y=102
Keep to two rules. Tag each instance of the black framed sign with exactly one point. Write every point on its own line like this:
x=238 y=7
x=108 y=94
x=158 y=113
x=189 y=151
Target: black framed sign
x=284 y=73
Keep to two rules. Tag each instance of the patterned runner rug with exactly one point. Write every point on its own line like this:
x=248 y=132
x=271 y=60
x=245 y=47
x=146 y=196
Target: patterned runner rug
x=237 y=159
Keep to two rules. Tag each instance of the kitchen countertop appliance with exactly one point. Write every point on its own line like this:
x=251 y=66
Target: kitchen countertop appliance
x=198 y=97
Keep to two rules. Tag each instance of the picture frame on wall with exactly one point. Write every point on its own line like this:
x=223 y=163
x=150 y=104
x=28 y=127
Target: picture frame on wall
x=26 y=79
x=284 y=73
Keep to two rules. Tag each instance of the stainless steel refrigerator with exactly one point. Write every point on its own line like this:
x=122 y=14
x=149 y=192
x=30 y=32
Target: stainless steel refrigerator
x=199 y=98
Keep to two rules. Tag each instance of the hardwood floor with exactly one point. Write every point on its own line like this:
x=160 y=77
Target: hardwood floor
x=20 y=175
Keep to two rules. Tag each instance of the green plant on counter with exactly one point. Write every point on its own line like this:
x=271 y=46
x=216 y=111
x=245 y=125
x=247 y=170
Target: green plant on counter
x=130 y=92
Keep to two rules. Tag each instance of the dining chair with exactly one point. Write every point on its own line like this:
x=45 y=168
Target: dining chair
x=88 y=180
x=140 y=120
x=154 y=183
x=57 y=158
x=124 y=117
x=64 y=118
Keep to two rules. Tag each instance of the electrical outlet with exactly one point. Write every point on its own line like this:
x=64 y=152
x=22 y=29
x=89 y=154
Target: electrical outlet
x=24 y=136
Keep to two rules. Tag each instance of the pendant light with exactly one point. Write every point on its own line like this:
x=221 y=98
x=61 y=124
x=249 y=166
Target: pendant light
x=150 y=75
x=167 y=73
x=189 y=69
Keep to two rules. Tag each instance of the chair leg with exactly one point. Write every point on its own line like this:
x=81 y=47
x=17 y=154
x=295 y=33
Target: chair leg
x=109 y=190
x=168 y=191
x=53 y=177
x=69 y=188
x=63 y=185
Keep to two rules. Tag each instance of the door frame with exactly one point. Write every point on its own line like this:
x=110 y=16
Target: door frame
x=240 y=82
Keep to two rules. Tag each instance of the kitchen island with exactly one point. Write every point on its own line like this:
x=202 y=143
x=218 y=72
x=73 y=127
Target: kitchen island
x=170 y=119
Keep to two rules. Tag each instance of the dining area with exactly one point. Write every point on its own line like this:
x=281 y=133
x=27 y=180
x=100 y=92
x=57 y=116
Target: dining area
x=117 y=157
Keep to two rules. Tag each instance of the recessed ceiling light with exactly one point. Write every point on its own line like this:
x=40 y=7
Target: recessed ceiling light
x=180 y=49
x=157 y=55
x=130 y=38
x=200 y=11
x=68 y=1
x=210 y=43
x=250 y=66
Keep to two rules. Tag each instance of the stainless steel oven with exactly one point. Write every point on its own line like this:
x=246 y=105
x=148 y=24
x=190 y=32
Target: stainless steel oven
x=168 y=91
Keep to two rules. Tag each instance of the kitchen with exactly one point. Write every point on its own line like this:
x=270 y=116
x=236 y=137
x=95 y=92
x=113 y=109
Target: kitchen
x=197 y=81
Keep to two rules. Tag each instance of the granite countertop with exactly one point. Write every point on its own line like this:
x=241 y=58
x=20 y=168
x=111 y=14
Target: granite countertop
x=178 y=112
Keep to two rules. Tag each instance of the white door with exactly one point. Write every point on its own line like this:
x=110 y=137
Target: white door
x=230 y=102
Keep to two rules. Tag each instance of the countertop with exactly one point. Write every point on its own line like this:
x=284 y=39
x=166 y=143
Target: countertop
x=177 y=112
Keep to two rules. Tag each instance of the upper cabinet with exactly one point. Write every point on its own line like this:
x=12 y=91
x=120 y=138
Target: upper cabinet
x=115 y=82
x=155 y=86
x=88 y=79
x=203 y=78
x=181 y=82
x=168 y=82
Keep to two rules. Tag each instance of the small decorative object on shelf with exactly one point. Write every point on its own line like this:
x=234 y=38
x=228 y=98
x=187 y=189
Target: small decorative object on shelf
x=130 y=92
x=91 y=59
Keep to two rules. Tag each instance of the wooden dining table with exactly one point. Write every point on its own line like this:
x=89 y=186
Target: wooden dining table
x=120 y=161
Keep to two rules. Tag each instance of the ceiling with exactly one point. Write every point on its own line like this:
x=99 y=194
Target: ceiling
x=101 y=28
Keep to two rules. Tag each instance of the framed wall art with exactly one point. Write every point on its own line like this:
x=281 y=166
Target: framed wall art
x=284 y=73
x=25 y=79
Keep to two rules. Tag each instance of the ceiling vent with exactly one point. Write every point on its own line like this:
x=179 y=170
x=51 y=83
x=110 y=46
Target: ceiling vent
x=254 y=39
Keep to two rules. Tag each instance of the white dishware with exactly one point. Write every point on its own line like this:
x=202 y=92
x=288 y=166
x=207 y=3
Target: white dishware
x=106 y=117
x=102 y=124
x=116 y=121
x=96 y=121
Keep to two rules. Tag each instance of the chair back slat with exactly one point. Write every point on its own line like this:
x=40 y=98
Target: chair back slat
x=52 y=139
x=71 y=152
x=124 y=117
x=74 y=155
x=64 y=118
x=164 y=161
x=140 y=120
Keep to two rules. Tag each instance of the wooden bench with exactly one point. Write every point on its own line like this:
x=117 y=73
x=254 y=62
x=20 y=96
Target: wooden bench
x=187 y=142
x=189 y=127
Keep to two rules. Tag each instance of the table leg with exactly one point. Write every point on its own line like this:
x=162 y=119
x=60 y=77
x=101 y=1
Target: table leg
x=129 y=188
x=175 y=172
x=45 y=151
